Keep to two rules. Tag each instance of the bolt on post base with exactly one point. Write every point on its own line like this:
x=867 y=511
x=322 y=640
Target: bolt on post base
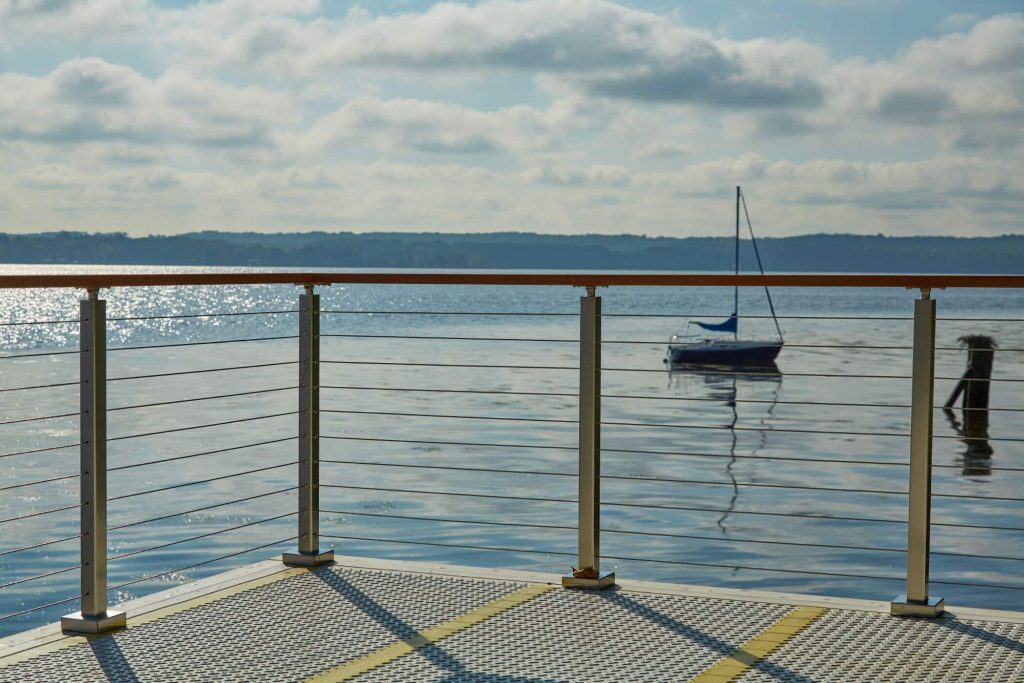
x=308 y=559
x=108 y=621
x=932 y=607
x=599 y=583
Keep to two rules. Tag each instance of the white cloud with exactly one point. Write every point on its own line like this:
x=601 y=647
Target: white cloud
x=22 y=21
x=549 y=115
x=439 y=127
x=86 y=100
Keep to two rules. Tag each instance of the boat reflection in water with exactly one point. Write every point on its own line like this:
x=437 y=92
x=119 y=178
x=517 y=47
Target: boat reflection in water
x=724 y=383
x=976 y=458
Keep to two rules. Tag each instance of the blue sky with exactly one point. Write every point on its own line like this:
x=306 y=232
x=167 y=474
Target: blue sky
x=560 y=116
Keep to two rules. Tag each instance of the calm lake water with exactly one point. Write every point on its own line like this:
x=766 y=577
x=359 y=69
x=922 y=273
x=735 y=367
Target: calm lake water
x=729 y=443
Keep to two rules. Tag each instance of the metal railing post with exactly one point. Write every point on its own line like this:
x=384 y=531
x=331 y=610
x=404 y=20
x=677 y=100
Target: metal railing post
x=94 y=616
x=588 y=573
x=309 y=554
x=916 y=602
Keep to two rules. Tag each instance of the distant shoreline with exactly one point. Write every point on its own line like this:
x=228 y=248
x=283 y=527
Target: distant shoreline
x=516 y=250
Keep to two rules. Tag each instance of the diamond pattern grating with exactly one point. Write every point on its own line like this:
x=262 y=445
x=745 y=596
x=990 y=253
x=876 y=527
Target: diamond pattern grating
x=313 y=622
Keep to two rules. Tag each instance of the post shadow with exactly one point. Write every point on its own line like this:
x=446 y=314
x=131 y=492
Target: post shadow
x=404 y=631
x=111 y=659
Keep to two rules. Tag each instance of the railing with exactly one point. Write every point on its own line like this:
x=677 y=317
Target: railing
x=577 y=356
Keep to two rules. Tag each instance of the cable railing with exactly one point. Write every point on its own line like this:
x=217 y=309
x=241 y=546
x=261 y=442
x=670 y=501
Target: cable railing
x=490 y=426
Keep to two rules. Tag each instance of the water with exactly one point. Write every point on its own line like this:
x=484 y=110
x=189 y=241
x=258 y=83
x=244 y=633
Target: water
x=745 y=433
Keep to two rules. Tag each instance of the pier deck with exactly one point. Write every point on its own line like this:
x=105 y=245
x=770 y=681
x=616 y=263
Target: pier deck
x=387 y=621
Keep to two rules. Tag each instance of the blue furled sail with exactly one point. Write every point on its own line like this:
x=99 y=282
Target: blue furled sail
x=726 y=326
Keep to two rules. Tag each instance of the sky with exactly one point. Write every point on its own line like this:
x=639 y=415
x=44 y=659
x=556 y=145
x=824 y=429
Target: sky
x=893 y=117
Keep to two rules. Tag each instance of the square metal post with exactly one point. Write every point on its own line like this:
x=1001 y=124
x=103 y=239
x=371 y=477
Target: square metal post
x=94 y=617
x=309 y=554
x=588 y=573
x=916 y=602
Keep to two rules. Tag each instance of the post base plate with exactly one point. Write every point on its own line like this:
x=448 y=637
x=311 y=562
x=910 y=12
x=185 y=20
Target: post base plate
x=600 y=583
x=108 y=621
x=308 y=559
x=902 y=607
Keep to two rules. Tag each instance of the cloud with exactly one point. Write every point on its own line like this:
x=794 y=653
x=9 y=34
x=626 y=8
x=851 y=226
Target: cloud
x=439 y=127
x=597 y=46
x=969 y=87
x=23 y=21
x=87 y=100
x=661 y=150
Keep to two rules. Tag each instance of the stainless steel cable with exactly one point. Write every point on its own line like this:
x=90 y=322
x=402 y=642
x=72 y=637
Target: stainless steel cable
x=658 y=561
x=736 y=373
x=799 y=487
x=196 y=455
x=442 y=519
x=199 y=564
x=39 y=607
x=38 y=386
x=445 y=338
x=687 y=508
x=40 y=322
x=40 y=354
x=989 y=527
x=133 y=553
x=199 y=343
x=752 y=568
x=40 y=514
x=199 y=372
x=449 y=417
x=461 y=494
x=40 y=545
x=447 y=365
x=40 y=576
x=204 y=426
x=198 y=315
x=202 y=481
x=447 y=468
x=199 y=398
x=40 y=481
x=717 y=539
x=509 y=314
x=39 y=419
x=619 y=396
x=752 y=317
x=729 y=428
x=450 y=391
x=788 y=345
x=39 y=450
x=449 y=443
x=448 y=545
x=754 y=400
x=784 y=458
x=202 y=509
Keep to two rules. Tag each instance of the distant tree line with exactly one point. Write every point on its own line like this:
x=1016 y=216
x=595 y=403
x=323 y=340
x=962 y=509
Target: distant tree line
x=807 y=253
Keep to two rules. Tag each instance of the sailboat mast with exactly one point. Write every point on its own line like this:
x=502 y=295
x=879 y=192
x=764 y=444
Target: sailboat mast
x=736 y=270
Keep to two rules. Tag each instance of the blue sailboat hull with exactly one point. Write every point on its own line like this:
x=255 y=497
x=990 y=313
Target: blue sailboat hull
x=719 y=352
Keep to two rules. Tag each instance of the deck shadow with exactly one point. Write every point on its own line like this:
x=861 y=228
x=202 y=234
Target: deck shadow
x=457 y=671
x=700 y=637
x=112 y=660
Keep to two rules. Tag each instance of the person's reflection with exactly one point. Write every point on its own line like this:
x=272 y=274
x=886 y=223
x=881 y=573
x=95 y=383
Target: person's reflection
x=973 y=431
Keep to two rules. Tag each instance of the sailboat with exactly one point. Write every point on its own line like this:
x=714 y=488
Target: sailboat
x=700 y=349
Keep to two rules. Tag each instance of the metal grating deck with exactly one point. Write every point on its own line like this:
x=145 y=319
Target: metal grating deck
x=377 y=624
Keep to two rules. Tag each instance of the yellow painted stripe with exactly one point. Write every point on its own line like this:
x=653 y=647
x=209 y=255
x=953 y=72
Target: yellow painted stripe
x=67 y=641
x=766 y=642
x=357 y=667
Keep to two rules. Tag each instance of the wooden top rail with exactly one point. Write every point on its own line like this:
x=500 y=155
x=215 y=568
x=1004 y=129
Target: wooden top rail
x=105 y=281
